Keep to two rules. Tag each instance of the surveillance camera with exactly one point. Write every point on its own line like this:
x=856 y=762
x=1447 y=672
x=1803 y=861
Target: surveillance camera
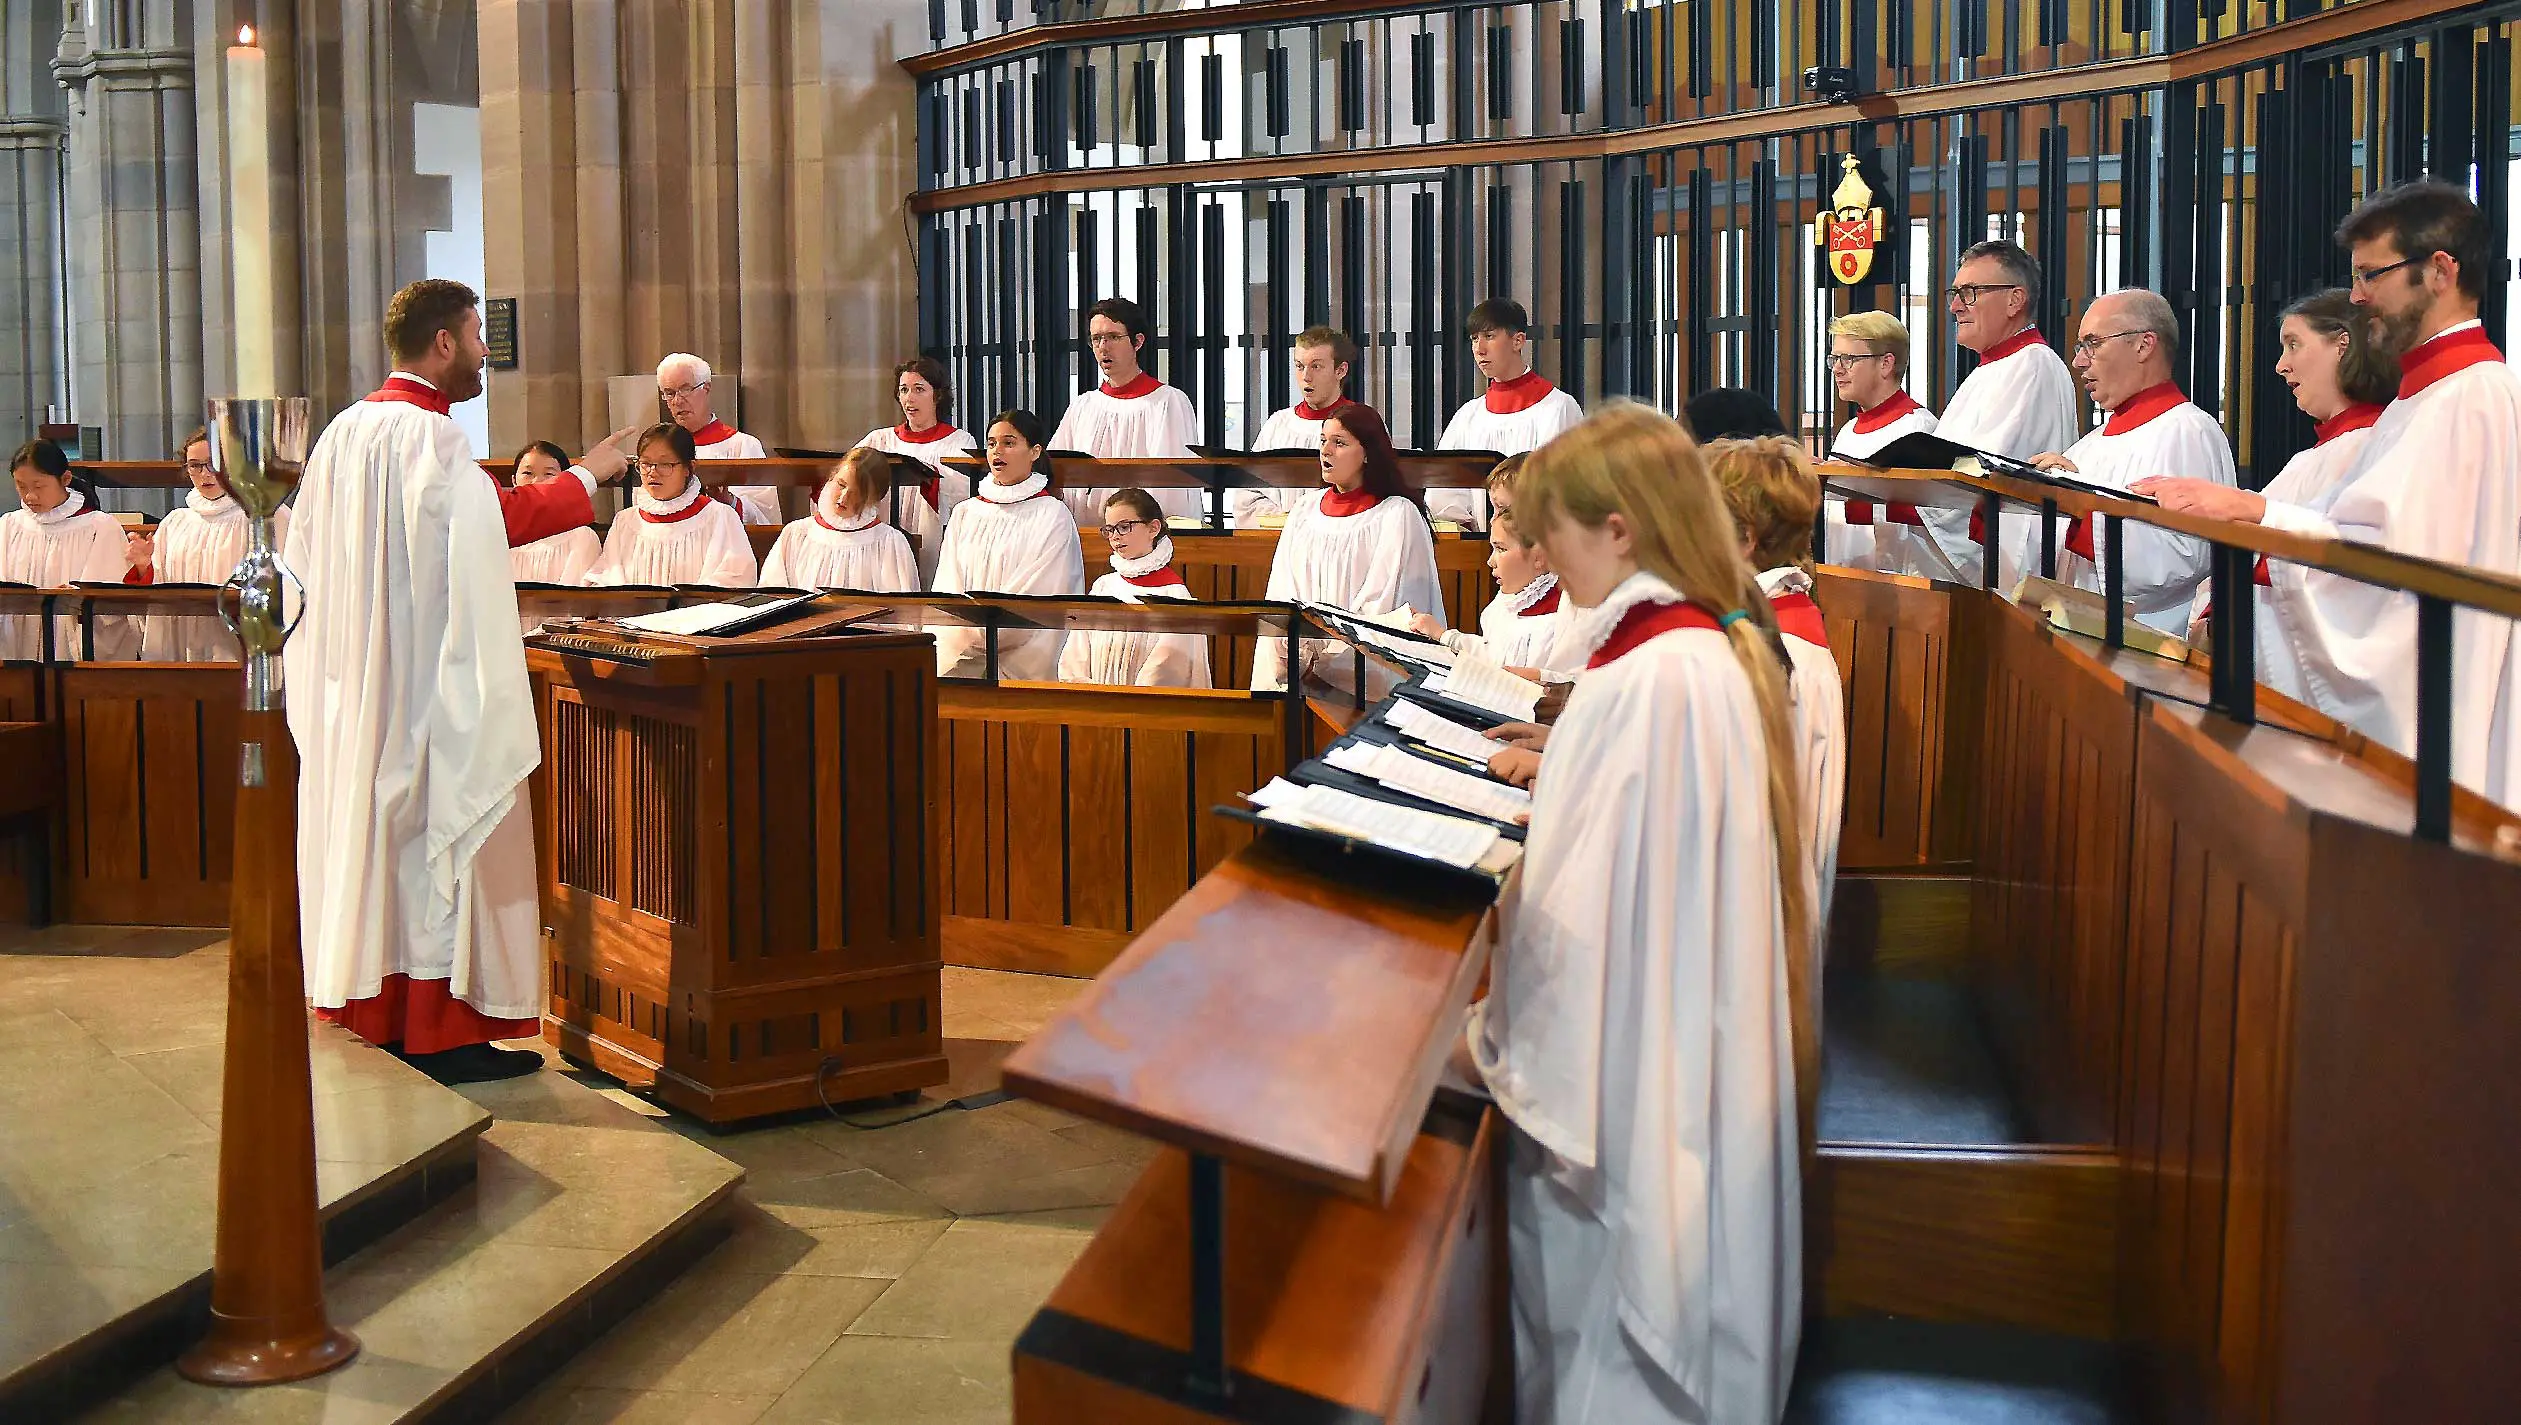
x=1832 y=84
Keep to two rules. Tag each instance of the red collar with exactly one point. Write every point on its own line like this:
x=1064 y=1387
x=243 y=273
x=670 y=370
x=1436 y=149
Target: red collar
x=1167 y=577
x=412 y=391
x=2445 y=354
x=827 y=524
x=2142 y=407
x=710 y=434
x=1545 y=604
x=1898 y=404
x=2353 y=418
x=931 y=435
x=1520 y=394
x=1339 y=504
x=686 y=512
x=2022 y=340
x=1798 y=616
x=1305 y=412
x=1644 y=621
x=1133 y=388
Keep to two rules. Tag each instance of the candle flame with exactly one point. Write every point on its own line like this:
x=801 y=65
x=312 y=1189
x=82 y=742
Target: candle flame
x=245 y=34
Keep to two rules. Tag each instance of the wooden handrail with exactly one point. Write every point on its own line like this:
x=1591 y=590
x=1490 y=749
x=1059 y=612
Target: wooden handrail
x=2330 y=27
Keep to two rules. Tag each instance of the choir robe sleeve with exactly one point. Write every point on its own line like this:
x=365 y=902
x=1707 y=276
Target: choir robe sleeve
x=730 y=563
x=2163 y=570
x=540 y=511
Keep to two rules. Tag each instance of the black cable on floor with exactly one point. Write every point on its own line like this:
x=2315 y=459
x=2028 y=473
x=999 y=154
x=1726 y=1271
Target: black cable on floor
x=966 y=1102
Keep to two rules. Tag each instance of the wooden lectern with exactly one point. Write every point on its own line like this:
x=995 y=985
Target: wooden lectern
x=738 y=838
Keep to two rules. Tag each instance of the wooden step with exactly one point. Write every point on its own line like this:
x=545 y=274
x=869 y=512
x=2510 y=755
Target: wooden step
x=1886 y=1372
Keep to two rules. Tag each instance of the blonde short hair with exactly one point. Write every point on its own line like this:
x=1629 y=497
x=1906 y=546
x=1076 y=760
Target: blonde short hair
x=1774 y=495
x=1881 y=333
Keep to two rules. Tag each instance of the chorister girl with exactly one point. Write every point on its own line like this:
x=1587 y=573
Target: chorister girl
x=921 y=389
x=199 y=543
x=1014 y=536
x=562 y=558
x=845 y=543
x=1521 y=625
x=56 y=539
x=1361 y=542
x=674 y=533
x=1142 y=569
x=1646 y=1034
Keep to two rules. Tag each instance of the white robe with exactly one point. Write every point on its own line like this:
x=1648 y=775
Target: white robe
x=1883 y=543
x=1370 y=563
x=1820 y=725
x=1479 y=426
x=2305 y=480
x=1142 y=660
x=2440 y=477
x=562 y=558
x=1011 y=539
x=408 y=698
x=1510 y=632
x=923 y=522
x=2163 y=570
x=827 y=550
x=755 y=504
x=709 y=548
x=2020 y=405
x=1637 y=1034
x=201 y=542
x=1157 y=424
x=1290 y=429
x=69 y=544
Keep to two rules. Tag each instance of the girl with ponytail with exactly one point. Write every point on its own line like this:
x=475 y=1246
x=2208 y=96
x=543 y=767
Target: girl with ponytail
x=1648 y=1030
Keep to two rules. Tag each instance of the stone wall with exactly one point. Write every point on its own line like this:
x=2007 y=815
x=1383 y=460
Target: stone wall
x=32 y=130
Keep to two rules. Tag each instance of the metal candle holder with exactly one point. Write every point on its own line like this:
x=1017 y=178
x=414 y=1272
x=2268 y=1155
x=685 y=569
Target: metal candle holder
x=259 y=448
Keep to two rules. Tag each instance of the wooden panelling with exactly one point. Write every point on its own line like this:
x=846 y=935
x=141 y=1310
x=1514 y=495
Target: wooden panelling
x=149 y=782
x=1914 y=927
x=1906 y=660
x=21 y=698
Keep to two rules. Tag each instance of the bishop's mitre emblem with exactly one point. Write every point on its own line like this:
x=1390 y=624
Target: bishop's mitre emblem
x=1850 y=228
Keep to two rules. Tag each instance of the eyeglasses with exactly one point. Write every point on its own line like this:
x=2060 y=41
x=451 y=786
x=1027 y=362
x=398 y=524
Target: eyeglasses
x=1841 y=361
x=676 y=393
x=648 y=466
x=1117 y=526
x=2366 y=276
x=2090 y=346
x=1967 y=294
x=196 y=467
x=1108 y=339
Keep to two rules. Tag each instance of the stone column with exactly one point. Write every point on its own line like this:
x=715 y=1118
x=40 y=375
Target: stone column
x=135 y=289
x=32 y=130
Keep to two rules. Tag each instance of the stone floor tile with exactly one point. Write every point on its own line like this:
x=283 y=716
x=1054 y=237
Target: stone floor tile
x=995 y=1195
x=450 y=1303
x=980 y=1282
x=1118 y=1145
x=389 y=1389
x=74 y=1298
x=560 y=1403
x=559 y=1186
x=963 y=1146
x=1041 y=1114
x=878 y=1380
x=841 y=1200
x=191 y=1076
x=390 y=1123
x=161 y=1214
x=777 y=1154
x=726 y=1333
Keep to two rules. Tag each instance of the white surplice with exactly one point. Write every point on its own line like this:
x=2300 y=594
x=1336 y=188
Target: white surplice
x=1131 y=659
x=1298 y=427
x=1144 y=419
x=1511 y=418
x=562 y=558
x=2019 y=402
x=831 y=550
x=2439 y=477
x=1820 y=725
x=414 y=721
x=1637 y=1035
x=754 y=504
x=690 y=539
x=200 y=542
x=69 y=543
x=1517 y=629
x=2155 y=432
x=1370 y=562
x=1872 y=536
x=923 y=519
x=1010 y=539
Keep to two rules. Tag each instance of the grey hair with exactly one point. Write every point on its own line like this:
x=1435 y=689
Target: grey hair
x=2019 y=266
x=2152 y=313
x=685 y=360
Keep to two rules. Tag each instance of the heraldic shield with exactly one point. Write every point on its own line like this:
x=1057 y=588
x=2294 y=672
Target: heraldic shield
x=1850 y=228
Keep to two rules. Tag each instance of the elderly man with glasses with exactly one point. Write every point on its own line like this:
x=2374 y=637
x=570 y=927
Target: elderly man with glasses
x=2124 y=358
x=2019 y=401
x=683 y=383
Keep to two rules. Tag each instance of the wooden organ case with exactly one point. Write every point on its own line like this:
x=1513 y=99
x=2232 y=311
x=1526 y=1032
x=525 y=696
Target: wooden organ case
x=740 y=878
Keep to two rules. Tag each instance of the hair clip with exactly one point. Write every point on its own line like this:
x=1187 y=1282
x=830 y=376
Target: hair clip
x=1729 y=620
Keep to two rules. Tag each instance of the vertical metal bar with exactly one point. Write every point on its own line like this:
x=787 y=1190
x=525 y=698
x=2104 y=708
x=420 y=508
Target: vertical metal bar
x=1317 y=255
x=1210 y=1375
x=1990 y=520
x=2206 y=280
x=2236 y=634
x=2113 y=584
x=2433 y=718
x=2048 y=539
x=2494 y=171
x=1282 y=323
x=989 y=644
x=1571 y=306
x=1212 y=337
x=1426 y=329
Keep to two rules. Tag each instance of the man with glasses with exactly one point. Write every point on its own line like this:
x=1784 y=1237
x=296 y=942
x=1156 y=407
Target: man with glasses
x=1868 y=369
x=683 y=383
x=1519 y=412
x=1130 y=414
x=2124 y=356
x=1322 y=359
x=2019 y=401
x=2439 y=477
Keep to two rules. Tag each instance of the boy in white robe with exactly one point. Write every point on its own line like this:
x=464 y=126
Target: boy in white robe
x=1868 y=368
x=922 y=390
x=674 y=533
x=683 y=382
x=2439 y=477
x=845 y=543
x=2124 y=356
x=1142 y=569
x=1322 y=359
x=1648 y=1032
x=1131 y=414
x=200 y=542
x=1014 y=537
x=2019 y=402
x=408 y=699
x=1519 y=412
x=1522 y=624
x=1358 y=543
x=57 y=538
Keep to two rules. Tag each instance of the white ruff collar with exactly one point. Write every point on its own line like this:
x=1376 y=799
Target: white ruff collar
x=70 y=505
x=222 y=507
x=1532 y=593
x=1785 y=579
x=989 y=489
x=1148 y=563
x=1594 y=625
x=649 y=505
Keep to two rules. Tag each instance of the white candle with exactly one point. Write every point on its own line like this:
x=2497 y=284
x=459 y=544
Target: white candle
x=249 y=218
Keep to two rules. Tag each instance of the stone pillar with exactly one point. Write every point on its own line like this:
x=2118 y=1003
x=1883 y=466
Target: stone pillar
x=32 y=130
x=135 y=288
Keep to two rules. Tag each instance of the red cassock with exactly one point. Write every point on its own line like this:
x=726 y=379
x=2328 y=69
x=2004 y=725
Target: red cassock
x=540 y=511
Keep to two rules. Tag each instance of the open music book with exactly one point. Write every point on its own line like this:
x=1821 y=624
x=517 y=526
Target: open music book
x=731 y=616
x=1428 y=836
x=1482 y=682
x=1423 y=725
x=1475 y=793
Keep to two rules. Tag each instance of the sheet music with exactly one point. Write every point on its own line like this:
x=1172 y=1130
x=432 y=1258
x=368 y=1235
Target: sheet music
x=1397 y=619
x=1448 y=839
x=694 y=618
x=1423 y=779
x=1442 y=733
x=1433 y=655
x=1483 y=682
x=1279 y=792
